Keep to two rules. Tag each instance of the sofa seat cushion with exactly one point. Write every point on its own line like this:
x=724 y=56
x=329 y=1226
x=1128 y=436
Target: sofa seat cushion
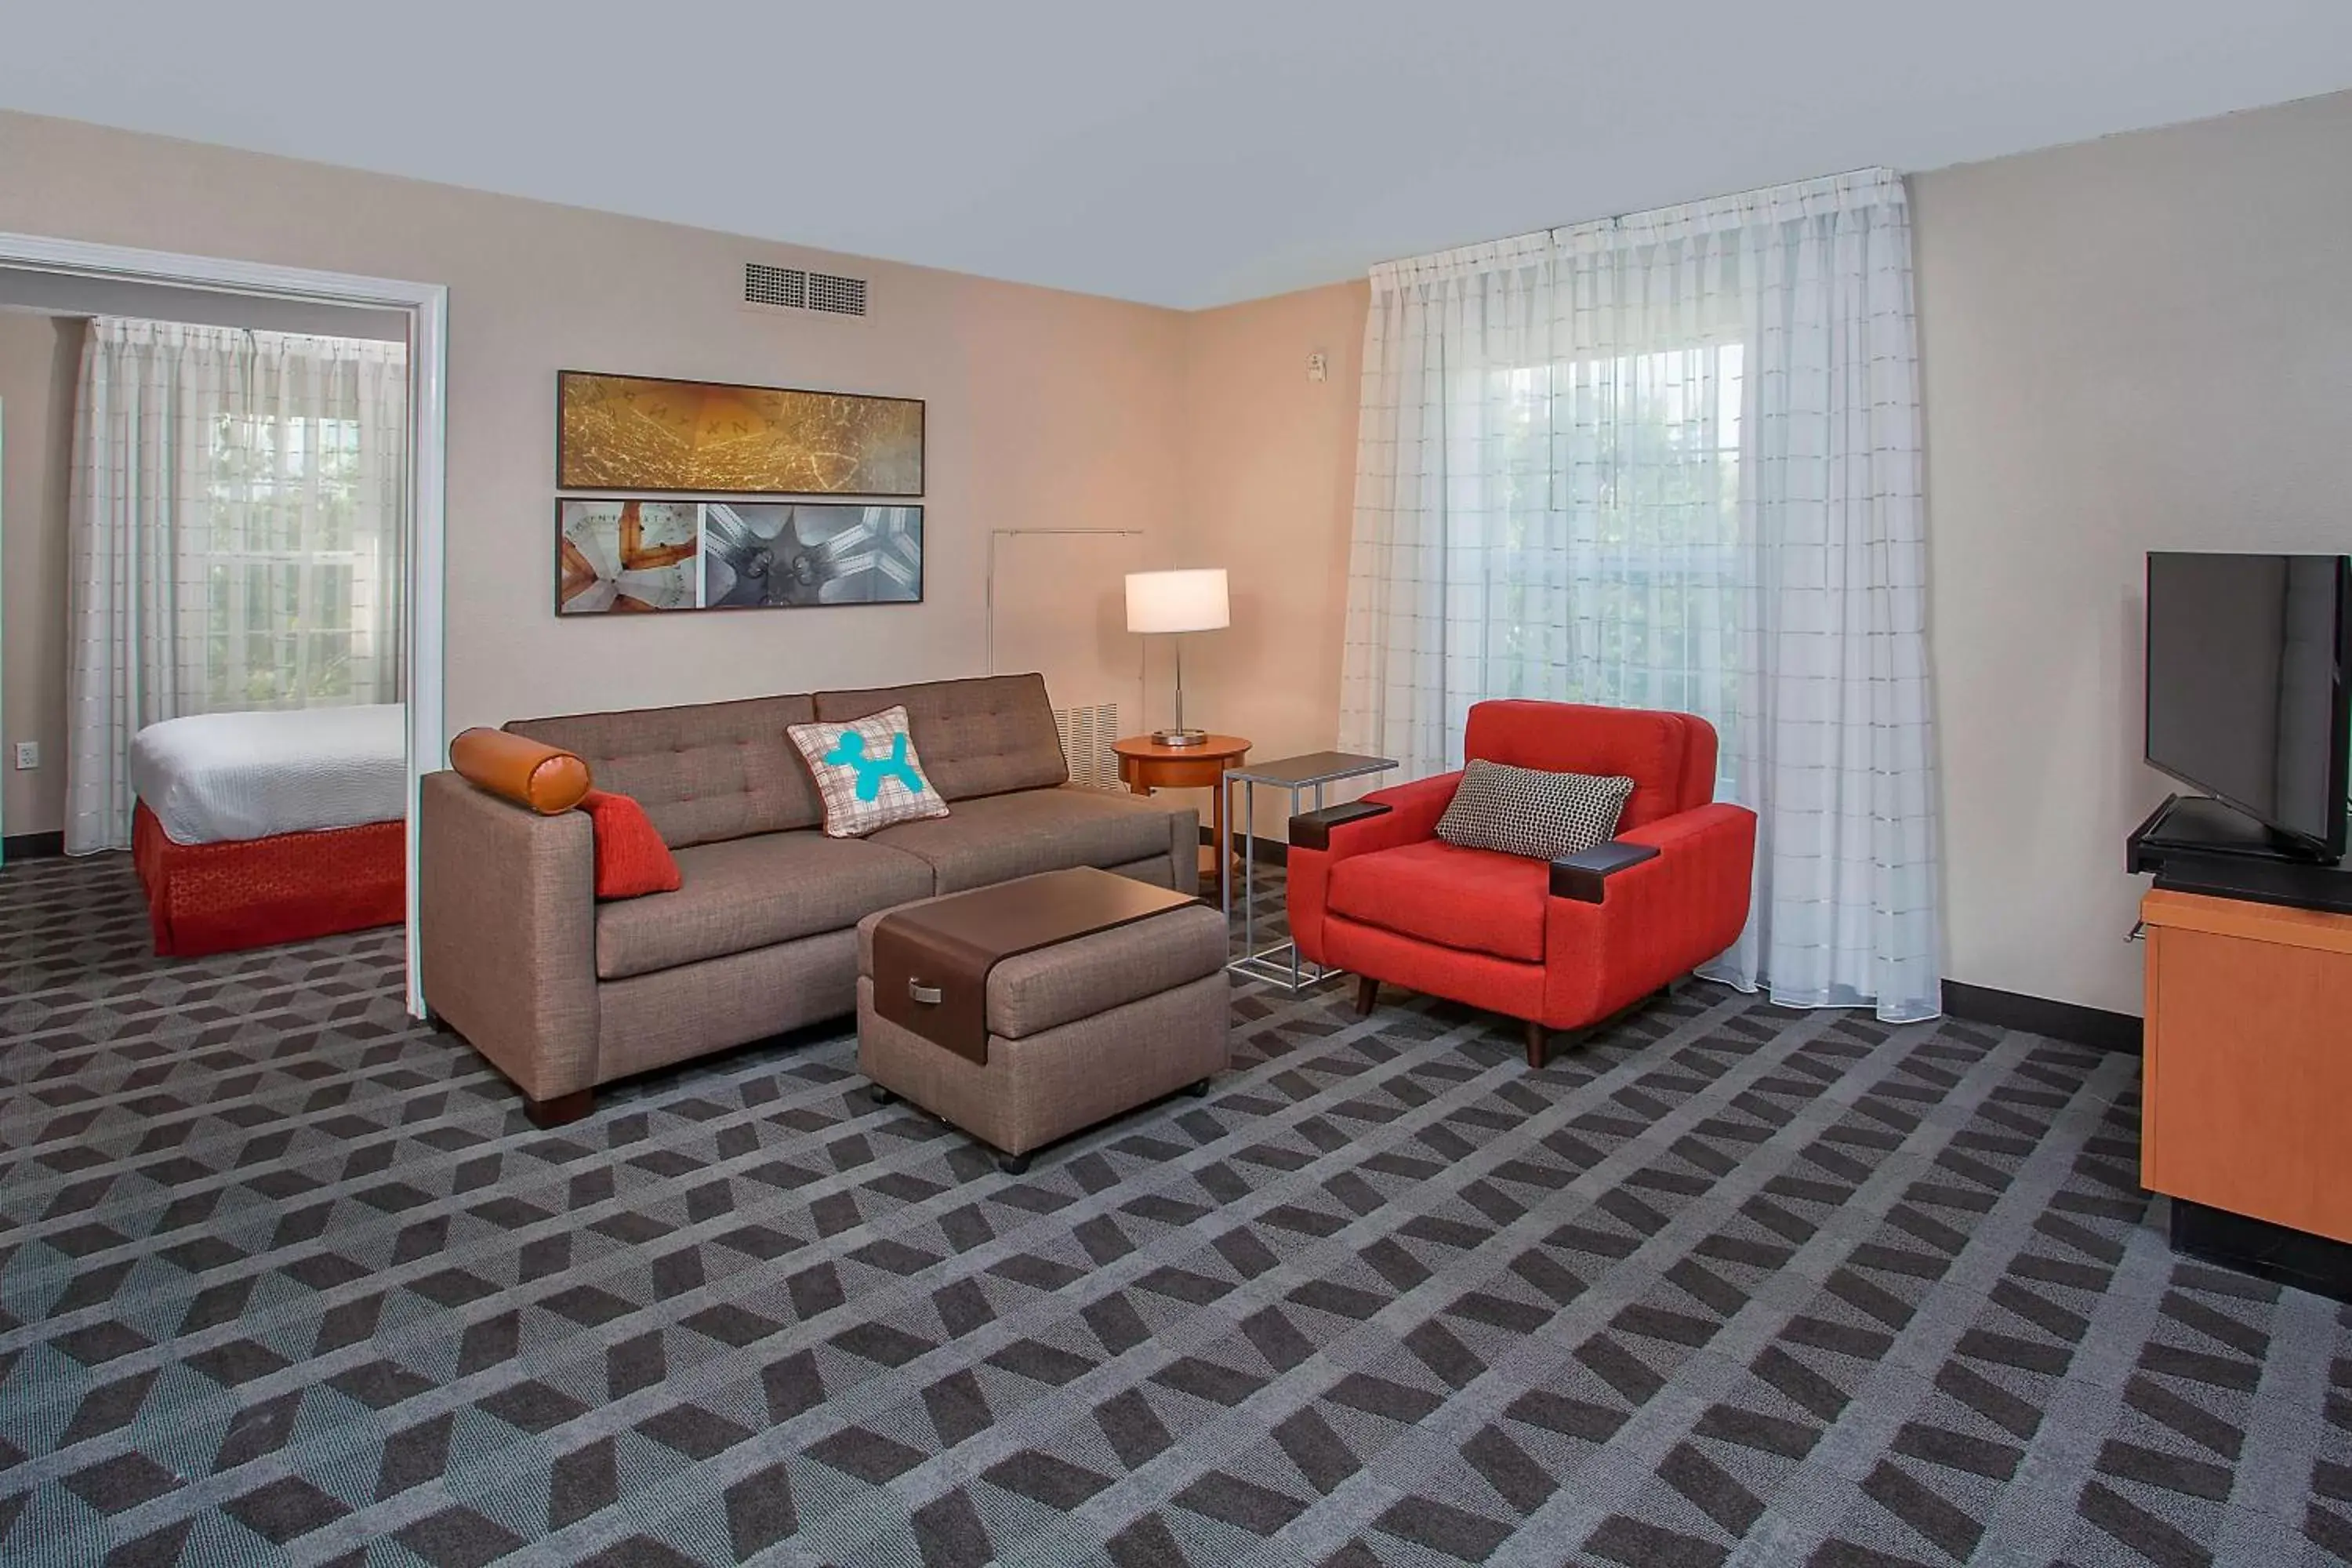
x=997 y=838
x=748 y=893
x=1476 y=900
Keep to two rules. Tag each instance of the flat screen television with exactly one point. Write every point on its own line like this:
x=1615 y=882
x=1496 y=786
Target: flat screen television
x=2247 y=687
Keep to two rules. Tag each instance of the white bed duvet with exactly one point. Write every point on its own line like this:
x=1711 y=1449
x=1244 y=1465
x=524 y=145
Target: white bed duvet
x=212 y=777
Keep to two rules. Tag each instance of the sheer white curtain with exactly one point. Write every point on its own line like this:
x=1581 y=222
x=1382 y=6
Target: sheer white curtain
x=237 y=501
x=1672 y=460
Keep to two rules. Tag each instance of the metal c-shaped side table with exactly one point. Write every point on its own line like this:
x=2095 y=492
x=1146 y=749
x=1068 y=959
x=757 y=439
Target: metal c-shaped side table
x=1279 y=964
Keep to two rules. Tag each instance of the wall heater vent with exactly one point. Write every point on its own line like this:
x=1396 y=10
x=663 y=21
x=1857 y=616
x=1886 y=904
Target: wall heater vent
x=1086 y=735
x=803 y=293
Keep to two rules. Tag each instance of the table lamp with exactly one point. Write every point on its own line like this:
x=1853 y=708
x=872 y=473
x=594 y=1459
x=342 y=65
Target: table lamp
x=1173 y=603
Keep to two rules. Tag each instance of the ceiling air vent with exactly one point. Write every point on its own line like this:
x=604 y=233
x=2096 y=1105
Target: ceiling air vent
x=772 y=290
x=782 y=288
x=836 y=296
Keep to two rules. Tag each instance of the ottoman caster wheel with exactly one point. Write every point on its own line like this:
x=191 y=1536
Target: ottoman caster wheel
x=1198 y=1090
x=1012 y=1165
x=878 y=1095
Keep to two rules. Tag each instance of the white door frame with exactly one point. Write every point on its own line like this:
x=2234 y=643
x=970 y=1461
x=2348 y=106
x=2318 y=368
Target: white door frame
x=427 y=307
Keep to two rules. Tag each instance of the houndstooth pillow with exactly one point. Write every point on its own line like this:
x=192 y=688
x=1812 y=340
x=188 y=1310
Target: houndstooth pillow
x=868 y=772
x=1524 y=811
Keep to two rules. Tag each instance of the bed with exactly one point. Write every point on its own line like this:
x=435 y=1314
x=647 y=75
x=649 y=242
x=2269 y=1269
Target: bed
x=257 y=828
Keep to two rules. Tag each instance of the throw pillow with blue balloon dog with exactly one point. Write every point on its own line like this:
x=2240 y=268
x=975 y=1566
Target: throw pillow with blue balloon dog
x=868 y=772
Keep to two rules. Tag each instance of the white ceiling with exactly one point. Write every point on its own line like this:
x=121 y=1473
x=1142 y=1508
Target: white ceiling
x=1186 y=153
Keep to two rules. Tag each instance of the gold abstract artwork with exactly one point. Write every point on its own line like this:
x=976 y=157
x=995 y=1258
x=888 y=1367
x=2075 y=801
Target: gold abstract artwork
x=628 y=432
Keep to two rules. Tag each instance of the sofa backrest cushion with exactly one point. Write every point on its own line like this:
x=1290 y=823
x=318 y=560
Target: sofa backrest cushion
x=705 y=773
x=990 y=735
x=1670 y=757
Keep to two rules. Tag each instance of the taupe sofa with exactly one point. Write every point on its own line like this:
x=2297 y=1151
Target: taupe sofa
x=564 y=994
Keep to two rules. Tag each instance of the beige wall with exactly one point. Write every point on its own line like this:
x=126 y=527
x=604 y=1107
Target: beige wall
x=1045 y=408
x=2141 y=343
x=1268 y=488
x=40 y=359
x=2138 y=343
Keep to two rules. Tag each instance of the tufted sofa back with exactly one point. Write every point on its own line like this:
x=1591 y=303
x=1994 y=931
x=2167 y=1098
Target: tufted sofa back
x=710 y=771
x=990 y=735
x=704 y=772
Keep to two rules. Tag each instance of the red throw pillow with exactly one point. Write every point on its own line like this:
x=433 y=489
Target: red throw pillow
x=630 y=859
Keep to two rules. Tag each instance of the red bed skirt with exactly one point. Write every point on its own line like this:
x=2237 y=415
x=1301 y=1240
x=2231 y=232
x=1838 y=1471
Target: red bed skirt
x=256 y=892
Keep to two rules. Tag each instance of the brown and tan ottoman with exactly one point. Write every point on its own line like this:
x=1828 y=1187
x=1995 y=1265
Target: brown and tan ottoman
x=1027 y=1011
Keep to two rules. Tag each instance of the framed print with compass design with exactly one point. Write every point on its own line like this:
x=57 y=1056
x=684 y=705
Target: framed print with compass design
x=623 y=557
x=618 y=556
x=644 y=433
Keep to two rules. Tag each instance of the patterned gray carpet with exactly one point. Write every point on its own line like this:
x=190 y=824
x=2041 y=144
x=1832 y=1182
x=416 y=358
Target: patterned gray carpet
x=283 y=1278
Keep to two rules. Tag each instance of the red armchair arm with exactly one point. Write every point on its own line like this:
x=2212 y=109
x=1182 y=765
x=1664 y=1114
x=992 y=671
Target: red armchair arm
x=1410 y=815
x=1655 y=919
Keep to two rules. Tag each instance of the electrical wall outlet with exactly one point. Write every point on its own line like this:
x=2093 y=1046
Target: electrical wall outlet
x=28 y=753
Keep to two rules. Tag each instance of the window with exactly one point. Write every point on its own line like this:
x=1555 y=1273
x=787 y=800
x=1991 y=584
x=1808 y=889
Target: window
x=1603 y=534
x=1671 y=459
x=290 y=572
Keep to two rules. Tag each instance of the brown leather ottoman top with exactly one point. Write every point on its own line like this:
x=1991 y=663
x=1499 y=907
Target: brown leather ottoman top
x=930 y=962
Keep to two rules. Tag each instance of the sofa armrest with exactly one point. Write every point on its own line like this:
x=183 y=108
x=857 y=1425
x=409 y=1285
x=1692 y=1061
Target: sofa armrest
x=1658 y=915
x=1584 y=876
x=1183 y=845
x=507 y=934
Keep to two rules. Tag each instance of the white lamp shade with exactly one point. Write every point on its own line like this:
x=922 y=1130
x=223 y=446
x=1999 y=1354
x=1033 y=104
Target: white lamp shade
x=1190 y=601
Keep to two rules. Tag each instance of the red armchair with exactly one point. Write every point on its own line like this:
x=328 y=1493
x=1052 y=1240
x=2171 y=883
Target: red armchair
x=1561 y=944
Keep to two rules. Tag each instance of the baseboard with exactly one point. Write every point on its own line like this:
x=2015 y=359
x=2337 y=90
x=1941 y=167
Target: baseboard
x=32 y=845
x=2038 y=1015
x=1264 y=851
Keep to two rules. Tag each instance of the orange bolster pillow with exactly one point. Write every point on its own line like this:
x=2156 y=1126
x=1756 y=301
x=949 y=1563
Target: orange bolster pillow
x=527 y=772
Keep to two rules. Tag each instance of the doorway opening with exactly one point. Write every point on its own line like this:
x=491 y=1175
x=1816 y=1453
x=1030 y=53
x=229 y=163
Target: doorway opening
x=68 y=277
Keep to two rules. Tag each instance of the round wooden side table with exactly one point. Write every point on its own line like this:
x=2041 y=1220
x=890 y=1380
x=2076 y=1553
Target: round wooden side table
x=1145 y=766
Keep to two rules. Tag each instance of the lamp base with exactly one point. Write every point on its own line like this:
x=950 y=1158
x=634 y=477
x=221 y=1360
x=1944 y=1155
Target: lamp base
x=1179 y=737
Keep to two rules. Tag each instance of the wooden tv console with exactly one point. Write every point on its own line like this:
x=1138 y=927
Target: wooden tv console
x=2247 y=1082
